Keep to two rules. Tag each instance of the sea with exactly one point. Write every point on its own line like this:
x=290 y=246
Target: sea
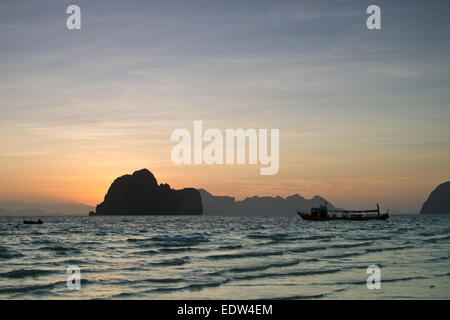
x=207 y=257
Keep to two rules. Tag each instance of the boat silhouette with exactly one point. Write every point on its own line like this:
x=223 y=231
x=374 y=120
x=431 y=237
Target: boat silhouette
x=33 y=222
x=322 y=213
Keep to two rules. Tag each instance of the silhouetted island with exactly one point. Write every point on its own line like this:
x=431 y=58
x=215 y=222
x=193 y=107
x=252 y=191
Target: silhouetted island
x=439 y=200
x=140 y=194
x=259 y=206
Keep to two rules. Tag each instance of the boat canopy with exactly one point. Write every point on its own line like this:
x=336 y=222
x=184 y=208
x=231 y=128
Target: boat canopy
x=354 y=211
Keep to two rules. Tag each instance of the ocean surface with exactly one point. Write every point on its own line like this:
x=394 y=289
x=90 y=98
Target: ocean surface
x=162 y=257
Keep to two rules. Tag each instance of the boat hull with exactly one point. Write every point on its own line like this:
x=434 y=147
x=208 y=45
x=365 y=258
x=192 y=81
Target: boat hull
x=305 y=216
x=32 y=222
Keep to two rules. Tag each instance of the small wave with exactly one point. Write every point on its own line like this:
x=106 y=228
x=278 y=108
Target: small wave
x=199 y=286
x=351 y=245
x=264 y=266
x=167 y=250
x=342 y=289
x=215 y=273
x=180 y=240
x=246 y=255
x=317 y=237
x=317 y=248
x=90 y=243
x=343 y=255
x=354 y=282
x=75 y=262
x=178 y=250
x=388 y=249
x=370 y=238
x=146 y=252
x=427 y=234
x=275 y=237
x=438 y=259
x=172 y=262
x=61 y=250
x=9 y=254
x=31 y=288
x=286 y=274
x=23 y=273
x=136 y=239
x=313 y=272
x=164 y=289
x=230 y=247
x=307 y=249
x=135 y=268
x=42 y=241
x=163 y=280
x=285 y=237
x=191 y=287
x=436 y=239
x=403 y=230
x=404 y=279
x=126 y=295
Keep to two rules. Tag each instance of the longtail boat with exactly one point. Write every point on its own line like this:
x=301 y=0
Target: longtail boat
x=322 y=213
x=33 y=222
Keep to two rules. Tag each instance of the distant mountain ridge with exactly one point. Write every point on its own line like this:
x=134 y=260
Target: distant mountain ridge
x=34 y=212
x=439 y=200
x=258 y=206
x=66 y=207
x=23 y=208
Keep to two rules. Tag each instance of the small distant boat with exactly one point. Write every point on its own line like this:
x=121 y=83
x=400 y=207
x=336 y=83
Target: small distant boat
x=324 y=214
x=33 y=222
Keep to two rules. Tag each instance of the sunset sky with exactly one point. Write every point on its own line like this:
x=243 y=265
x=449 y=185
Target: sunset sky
x=363 y=115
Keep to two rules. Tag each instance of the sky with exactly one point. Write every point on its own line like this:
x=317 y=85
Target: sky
x=363 y=114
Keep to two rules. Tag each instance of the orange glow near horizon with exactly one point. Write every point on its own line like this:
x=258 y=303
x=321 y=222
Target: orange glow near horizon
x=343 y=183
x=59 y=164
